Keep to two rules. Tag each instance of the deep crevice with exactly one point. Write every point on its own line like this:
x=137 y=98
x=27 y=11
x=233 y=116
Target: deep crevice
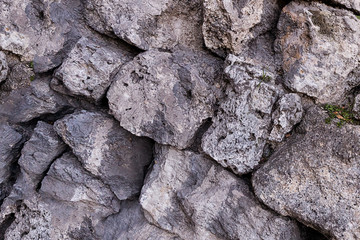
x=6 y=224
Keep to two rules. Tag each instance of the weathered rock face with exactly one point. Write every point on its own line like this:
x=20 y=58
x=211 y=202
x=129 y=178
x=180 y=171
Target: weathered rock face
x=239 y=132
x=151 y=24
x=31 y=102
x=39 y=31
x=10 y=140
x=107 y=151
x=230 y=25
x=319 y=46
x=88 y=68
x=67 y=190
x=230 y=211
x=4 y=68
x=130 y=223
x=314 y=177
x=356 y=107
x=40 y=151
x=166 y=96
x=287 y=114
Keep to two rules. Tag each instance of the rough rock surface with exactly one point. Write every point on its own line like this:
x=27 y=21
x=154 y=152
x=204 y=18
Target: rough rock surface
x=107 y=151
x=356 y=107
x=287 y=114
x=130 y=223
x=320 y=47
x=4 y=68
x=166 y=96
x=239 y=132
x=31 y=102
x=351 y=4
x=151 y=24
x=88 y=68
x=230 y=25
x=41 y=150
x=9 y=144
x=314 y=177
x=230 y=211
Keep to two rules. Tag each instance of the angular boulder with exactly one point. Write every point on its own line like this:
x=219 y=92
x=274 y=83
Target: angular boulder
x=230 y=25
x=320 y=50
x=107 y=151
x=88 y=69
x=166 y=96
x=152 y=24
x=237 y=137
x=189 y=195
x=315 y=177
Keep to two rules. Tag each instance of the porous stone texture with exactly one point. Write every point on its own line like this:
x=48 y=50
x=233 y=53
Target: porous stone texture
x=287 y=114
x=130 y=223
x=319 y=46
x=239 y=131
x=166 y=96
x=4 y=68
x=230 y=25
x=88 y=69
x=230 y=210
x=151 y=24
x=314 y=177
x=107 y=151
x=10 y=140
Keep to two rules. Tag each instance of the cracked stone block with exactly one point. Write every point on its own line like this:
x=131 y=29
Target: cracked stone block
x=166 y=96
x=107 y=150
x=88 y=69
x=319 y=46
x=230 y=25
x=189 y=195
x=314 y=177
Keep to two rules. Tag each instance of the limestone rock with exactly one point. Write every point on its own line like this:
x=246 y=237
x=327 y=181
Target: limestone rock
x=230 y=25
x=130 y=223
x=287 y=114
x=239 y=131
x=107 y=151
x=10 y=140
x=31 y=102
x=319 y=46
x=314 y=177
x=41 y=150
x=4 y=68
x=88 y=68
x=19 y=76
x=189 y=195
x=151 y=24
x=166 y=96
